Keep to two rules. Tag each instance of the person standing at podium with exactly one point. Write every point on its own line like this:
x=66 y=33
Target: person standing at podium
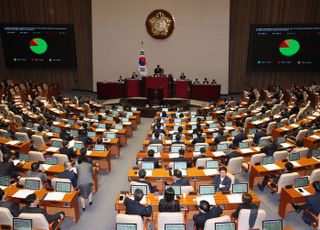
x=158 y=71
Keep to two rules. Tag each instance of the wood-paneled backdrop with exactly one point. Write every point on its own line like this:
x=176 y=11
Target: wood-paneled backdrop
x=243 y=13
x=76 y=12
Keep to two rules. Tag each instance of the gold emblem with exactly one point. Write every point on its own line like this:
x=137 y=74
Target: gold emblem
x=160 y=24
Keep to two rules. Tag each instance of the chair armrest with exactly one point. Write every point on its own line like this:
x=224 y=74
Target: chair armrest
x=57 y=227
x=314 y=224
x=270 y=187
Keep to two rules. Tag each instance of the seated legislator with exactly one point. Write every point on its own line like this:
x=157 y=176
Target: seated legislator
x=262 y=132
x=158 y=71
x=222 y=182
x=198 y=129
x=156 y=139
x=246 y=204
x=37 y=171
x=205 y=81
x=239 y=137
x=196 y=82
x=178 y=140
x=158 y=129
x=32 y=206
x=152 y=159
x=205 y=213
x=68 y=174
x=142 y=174
x=168 y=203
x=220 y=137
x=133 y=207
x=65 y=150
x=275 y=178
x=202 y=155
x=181 y=158
x=270 y=148
x=83 y=136
x=64 y=135
x=13 y=207
x=198 y=139
x=183 y=77
x=178 y=180
x=7 y=167
x=24 y=129
x=232 y=154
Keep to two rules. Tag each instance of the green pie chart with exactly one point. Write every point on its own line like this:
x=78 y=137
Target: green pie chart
x=289 y=47
x=38 y=45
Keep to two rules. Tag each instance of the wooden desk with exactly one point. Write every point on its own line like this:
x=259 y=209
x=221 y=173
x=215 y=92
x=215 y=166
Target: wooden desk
x=289 y=196
x=22 y=147
x=311 y=141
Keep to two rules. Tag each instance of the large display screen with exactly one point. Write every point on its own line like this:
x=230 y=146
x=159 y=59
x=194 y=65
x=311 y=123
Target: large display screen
x=38 y=46
x=284 y=48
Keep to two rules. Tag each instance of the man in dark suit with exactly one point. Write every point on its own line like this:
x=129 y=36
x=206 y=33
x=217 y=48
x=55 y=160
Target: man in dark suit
x=205 y=213
x=239 y=137
x=133 y=207
x=64 y=135
x=152 y=159
x=178 y=140
x=181 y=158
x=222 y=182
x=24 y=129
x=261 y=133
x=198 y=139
x=7 y=167
x=178 y=180
x=232 y=154
x=198 y=129
x=295 y=109
x=156 y=139
x=270 y=148
x=158 y=70
x=68 y=174
x=142 y=175
x=158 y=129
x=32 y=203
x=202 y=155
x=65 y=150
x=13 y=207
x=220 y=137
x=83 y=136
x=246 y=204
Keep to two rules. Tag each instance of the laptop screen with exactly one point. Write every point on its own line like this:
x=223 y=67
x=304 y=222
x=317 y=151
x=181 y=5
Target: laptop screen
x=109 y=118
x=263 y=142
x=235 y=133
x=301 y=182
x=141 y=187
x=193 y=114
x=209 y=118
x=71 y=122
x=272 y=224
x=176 y=188
x=4 y=181
x=125 y=119
x=99 y=147
x=126 y=226
x=214 y=135
x=74 y=132
x=212 y=164
x=294 y=156
x=316 y=153
x=222 y=147
x=229 y=123
x=51 y=161
x=29 y=125
x=267 y=160
x=281 y=140
x=118 y=126
x=213 y=126
x=129 y=114
x=174 y=227
x=91 y=134
x=175 y=149
x=240 y=188
x=177 y=120
x=244 y=145
x=111 y=135
x=154 y=148
x=165 y=110
x=206 y=190
x=101 y=126
x=24 y=157
x=56 y=129
x=147 y=165
x=180 y=165
x=56 y=143
x=198 y=147
x=252 y=131
x=225 y=226
x=78 y=145
x=32 y=184
x=280 y=124
x=22 y=224
x=95 y=117
x=63 y=187
x=20 y=138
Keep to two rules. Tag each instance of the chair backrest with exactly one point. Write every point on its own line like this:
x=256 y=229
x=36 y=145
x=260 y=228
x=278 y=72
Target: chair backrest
x=186 y=189
x=55 y=180
x=232 y=178
x=303 y=151
x=248 y=119
x=315 y=175
x=210 y=223
x=301 y=134
x=23 y=135
x=139 y=183
x=18 y=120
x=256 y=158
x=6 y=217
x=201 y=162
x=61 y=158
x=271 y=126
x=37 y=141
x=36 y=156
x=286 y=179
x=280 y=155
x=243 y=219
x=169 y=218
x=38 y=220
x=235 y=165
x=130 y=219
x=22 y=180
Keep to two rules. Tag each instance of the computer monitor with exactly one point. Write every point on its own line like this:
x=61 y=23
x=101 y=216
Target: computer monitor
x=239 y=188
x=20 y=138
x=99 y=147
x=101 y=126
x=24 y=157
x=174 y=227
x=95 y=117
x=176 y=188
x=272 y=224
x=294 y=156
x=235 y=113
x=78 y=145
x=264 y=142
x=301 y=182
x=206 y=190
x=118 y=126
x=134 y=109
x=71 y=122
x=213 y=126
x=209 y=118
x=198 y=147
x=51 y=161
x=22 y=224
x=165 y=110
x=29 y=125
x=5 y=134
x=32 y=184
x=222 y=147
x=267 y=160
x=180 y=165
x=125 y=119
x=125 y=226
x=235 y=133
x=74 y=132
x=316 y=153
x=280 y=124
x=228 y=123
x=109 y=118
x=142 y=187
x=177 y=120
x=92 y=134
x=175 y=149
x=214 y=135
x=244 y=145
x=154 y=148
x=225 y=226
x=4 y=181
x=56 y=129
x=58 y=119
x=193 y=119
x=115 y=112
x=252 y=131
x=211 y=164
x=147 y=165
x=110 y=135
x=281 y=140
x=129 y=114
x=63 y=187
x=56 y=143
x=193 y=114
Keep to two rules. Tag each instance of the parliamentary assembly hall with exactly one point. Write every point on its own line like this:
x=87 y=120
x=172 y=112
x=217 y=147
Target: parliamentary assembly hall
x=160 y=114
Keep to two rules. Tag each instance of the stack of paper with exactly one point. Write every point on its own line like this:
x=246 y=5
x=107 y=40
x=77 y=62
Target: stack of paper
x=286 y=145
x=210 y=172
x=173 y=155
x=271 y=167
x=55 y=196
x=294 y=125
x=23 y=193
x=235 y=198
x=89 y=152
x=248 y=150
x=157 y=155
x=52 y=149
x=315 y=136
x=304 y=192
x=195 y=154
x=210 y=199
x=296 y=164
x=284 y=129
x=12 y=142
x=218 y=153
x=100 y=130
x=148 y=173
x=71 y=144
x=45 y=166
x=167 y=142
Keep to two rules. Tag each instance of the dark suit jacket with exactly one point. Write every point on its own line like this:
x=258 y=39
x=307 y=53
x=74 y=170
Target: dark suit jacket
x=218 y=139
x=243 y=206
x=169 y=207
x=65 y=136
x=135 y=208
x=85 y=139
x=67 y=151
x=201 y=218
x=159 y=131
x=270 y=149
x=232 y=155
x=197 y=131
x=226 y=182
x=258 y=135
x=49 y=218
x=69 y=175
x=13 y=207
x=198 y=140
x=8 y=169
x=238 y=138
x=151 y=188
x=181 y=182
x=313 y=205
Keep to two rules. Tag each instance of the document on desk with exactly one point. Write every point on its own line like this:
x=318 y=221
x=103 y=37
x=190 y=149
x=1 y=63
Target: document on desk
x=173 y=155
x=23 y=193
x=126 y=123
x=284 y=129
x=315 y=137
x=190 y=131
x=67 y=125
x=100 y=130
x=294 y=125
x=218 y=153
x=167 y=142
x=157 y=155
x=247 y=150
x=209 y=199
x=113 y=130
x=148 y=173
x=235 y=198
x=16 y=162
x=316 y=159
x=3 y=187
x=45 y=166
x=311 y=117
x=195 y=154
x=271 y=167
x=89 y=152
x=12 y=142
x=71 y=144
x=295 y=164
x=257 y=148
x=229 y=128
x=304 y=192
x=52 y=149
x=210 y=172
x=171 y=132
x=286 y=145
x=55 y=196
x=49 y=134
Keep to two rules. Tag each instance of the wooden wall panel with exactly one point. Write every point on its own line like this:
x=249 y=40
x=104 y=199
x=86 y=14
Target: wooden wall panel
x=76 y=12
x=243 y=13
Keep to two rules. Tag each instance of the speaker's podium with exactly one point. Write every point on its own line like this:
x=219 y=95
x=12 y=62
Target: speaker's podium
x=157 y=82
